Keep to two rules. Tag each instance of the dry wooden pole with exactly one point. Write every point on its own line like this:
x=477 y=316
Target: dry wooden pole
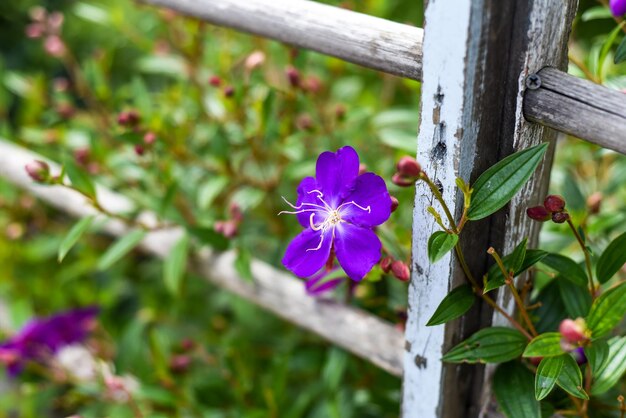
x=477 y=55
x=369 y=41
x=577 y=107
x=357 y=331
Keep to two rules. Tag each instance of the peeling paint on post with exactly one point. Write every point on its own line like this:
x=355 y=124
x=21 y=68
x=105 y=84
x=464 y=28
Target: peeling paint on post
x=477 y=54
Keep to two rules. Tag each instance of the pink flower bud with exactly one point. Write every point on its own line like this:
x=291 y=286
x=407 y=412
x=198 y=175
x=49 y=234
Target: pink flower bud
x=229 y=91
x=139 y=150
x=400 y=271
x=538 y=213
x=293 y=75
x=394 y=203
x=254 y=60
x=227 y=228
x=82 y=156
x=37 y=13
x=129 y=118
x=408 y=167
x=554 y=203
x=215 y=81
x=34 y=30
x=618 y=7
x=304 y=122
x=180 y=363
x=560 y=217
x=312 y=84
x=149 y=138
x=573 y=331
x=54 y=46
x=55 y=21
x=38 y=170
x=235 y=212
x=385 y=264
x=594 y=201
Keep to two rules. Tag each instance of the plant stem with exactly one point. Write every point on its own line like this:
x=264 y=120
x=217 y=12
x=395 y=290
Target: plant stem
x=510 y=282
x=592 y=287
x=439 y=197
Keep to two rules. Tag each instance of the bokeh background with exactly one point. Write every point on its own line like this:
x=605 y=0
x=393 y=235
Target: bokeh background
x=236 y=120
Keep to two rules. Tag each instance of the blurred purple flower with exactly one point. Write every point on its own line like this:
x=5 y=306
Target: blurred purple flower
x=339 y=208
x=318 y=284
x=618 y=7
x=42 y=337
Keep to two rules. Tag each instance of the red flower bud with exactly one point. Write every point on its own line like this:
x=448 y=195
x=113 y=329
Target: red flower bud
x=81 y=156
x=538 y=213
x=293 y=75
x=573 y=331
x=554 y=203
x=394 y=203
x=400 y=271
x=560 y=217
x=401 y=181
x=215 y=81
x=187 y=344
x=594 y=201
x=408 y=167
x=229 y=91
x=139 y=150
x=180 y=363
x=385 y=264
x=38 y=170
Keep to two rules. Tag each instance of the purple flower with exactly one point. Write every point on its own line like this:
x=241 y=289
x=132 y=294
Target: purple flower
x=42 y=337
x=339 y=209
x=618 y=7
x=320 y=282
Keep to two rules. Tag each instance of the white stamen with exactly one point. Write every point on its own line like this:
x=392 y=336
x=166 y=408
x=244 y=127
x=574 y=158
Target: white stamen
x=368 y=209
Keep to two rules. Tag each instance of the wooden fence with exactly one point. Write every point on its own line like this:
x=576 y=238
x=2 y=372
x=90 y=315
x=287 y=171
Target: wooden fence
x=493 y=81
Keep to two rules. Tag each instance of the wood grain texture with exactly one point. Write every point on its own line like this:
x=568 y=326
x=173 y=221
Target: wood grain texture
x=578 y=107
x=369 y=41
x=356 y=331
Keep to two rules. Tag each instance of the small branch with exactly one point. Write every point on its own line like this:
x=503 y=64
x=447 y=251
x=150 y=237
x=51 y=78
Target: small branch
x=592 y=287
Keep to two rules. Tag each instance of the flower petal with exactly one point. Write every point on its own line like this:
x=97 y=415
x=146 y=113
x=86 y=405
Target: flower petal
x=305 y=195
x=369 y=191
x=301 y=256
x=336 y=173
x=357 y=249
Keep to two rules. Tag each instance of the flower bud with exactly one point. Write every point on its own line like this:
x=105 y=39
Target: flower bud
x=187 y=344
x=38 y=170
x=229 y=91
x=128 y=118
x=293 y=75
x=235 y=212
x=385 y=264
x=82 y=156
x=34 y=30
x=560 y=217
x=398 y=180
x=215 y=81
x=37 y=13
x=139 y=150
x=579 y=355
x=400 y=271
x=554 y=203
x=149 y=138
x=618 y=7
x=54 y=46
x=227 y=228
x=312 y=84
x=573 y=331
x=304 y=122
x=180 y=363
x=394 y=203
x=594 y=201
x=538 y=213
x=254 y=60
x=408 y=167
x=55 y=21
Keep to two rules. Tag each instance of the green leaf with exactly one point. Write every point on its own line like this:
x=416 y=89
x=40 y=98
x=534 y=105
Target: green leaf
x=497 y=186
x=121 y=247
x=209 y=190
x=571 y=378
x=208 y=236
x=597 y=12
x=455 y=304
x=514 y=390
x=544 y=345
x=81 y=181
x=606 y=47
x=516 y=258
x=489 y=345
x=439 y=244
x=73 y=236
x=567 y=268
x=607 y=311
x=612 y=259
x=403 y=140
x=597 y=354
x=242 y=264
x=620 y=53
x=175 y=265
x=547 y=374
x=495 y=278
x=576 y=299
x=613 y=367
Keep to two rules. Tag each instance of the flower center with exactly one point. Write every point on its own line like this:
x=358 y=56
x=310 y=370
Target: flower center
x=331 y=216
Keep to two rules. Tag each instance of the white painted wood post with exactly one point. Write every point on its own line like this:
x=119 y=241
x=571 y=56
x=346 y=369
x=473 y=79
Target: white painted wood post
x=477 y=54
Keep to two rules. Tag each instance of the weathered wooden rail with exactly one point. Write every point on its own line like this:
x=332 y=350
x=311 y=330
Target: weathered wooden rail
x=492 y=83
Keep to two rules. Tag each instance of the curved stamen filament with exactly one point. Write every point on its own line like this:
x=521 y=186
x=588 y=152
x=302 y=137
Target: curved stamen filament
x=320 y=195
x=318 y=245
x=367 y=209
